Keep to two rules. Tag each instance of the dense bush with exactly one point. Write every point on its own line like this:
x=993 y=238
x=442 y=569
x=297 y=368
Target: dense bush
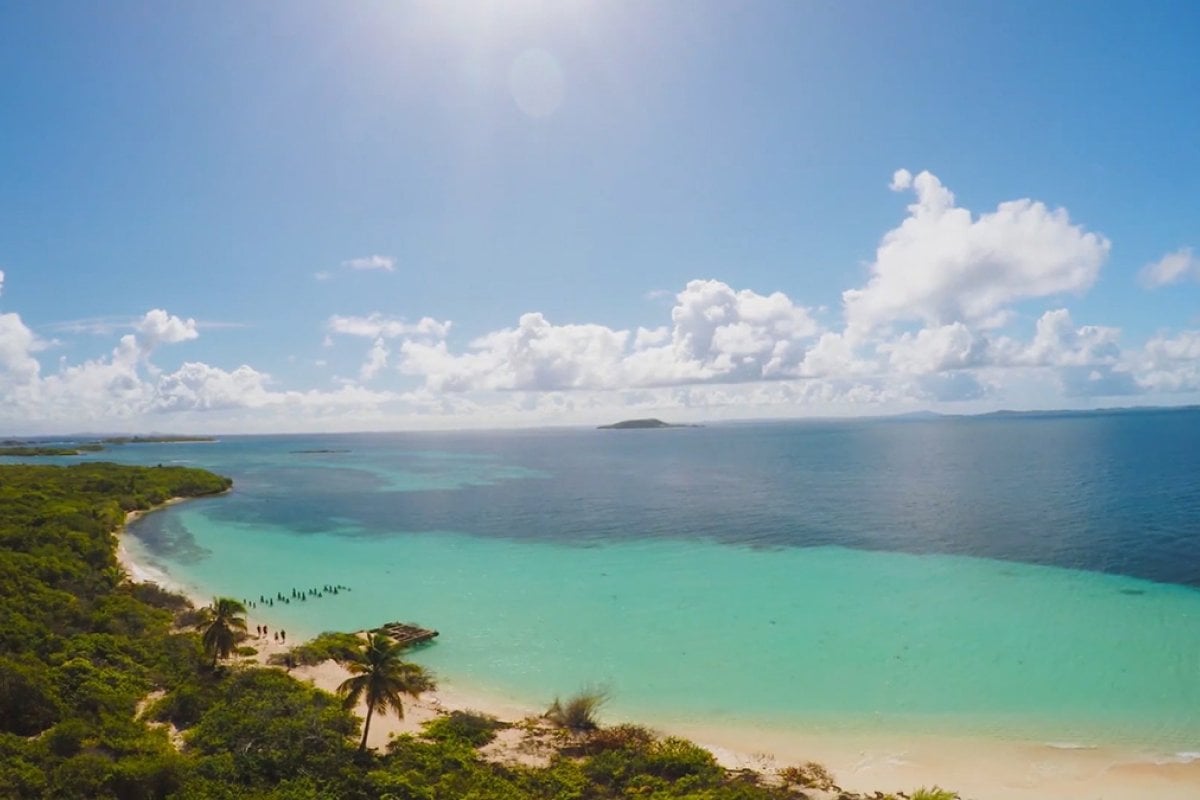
x=327 y=646
x=468 y=727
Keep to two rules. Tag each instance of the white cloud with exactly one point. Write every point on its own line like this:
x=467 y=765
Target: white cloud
x=375 y=262
x=1 y=281
x=901 y=179
x=158 y=327
x=938 y=349
x=1171 y=268
x=651 y=337
x=938 y=321
x=1169 y=363
x=108 y=324
x=1058 y=343
x=198 y=386
x=717 y=334
x=377 y=359
x=17 y=345
x=944 y=265
x=376 y=325
x=534 y=355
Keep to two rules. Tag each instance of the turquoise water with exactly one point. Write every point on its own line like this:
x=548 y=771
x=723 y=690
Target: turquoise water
x=560 y=572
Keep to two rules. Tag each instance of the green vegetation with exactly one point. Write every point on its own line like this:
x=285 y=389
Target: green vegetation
x=934 y=794
x=578 y=713
x=468 y=727
x=31 y=451
x=636 y=424
x=224 y=626
x=809 y=775
x=380 y=677
x=108 y=691
x=155 y=439
x=329 y=646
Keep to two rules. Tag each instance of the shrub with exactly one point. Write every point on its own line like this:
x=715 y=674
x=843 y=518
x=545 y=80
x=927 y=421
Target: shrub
x=327 y=646
x=620 y=737
x=154 y=595
x=673 y=759
x=578 y=713
x=809 y=775
x=469 y=727
x=936 y=793
x=189 y=618
x=29 y=701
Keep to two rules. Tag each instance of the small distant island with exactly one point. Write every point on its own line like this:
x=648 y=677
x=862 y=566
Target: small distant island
x=642 y=423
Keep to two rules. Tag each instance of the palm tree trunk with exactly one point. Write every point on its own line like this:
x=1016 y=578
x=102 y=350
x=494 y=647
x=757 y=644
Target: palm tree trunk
x=366 y=727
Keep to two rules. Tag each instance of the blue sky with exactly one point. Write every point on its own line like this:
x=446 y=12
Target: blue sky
x=292 y=188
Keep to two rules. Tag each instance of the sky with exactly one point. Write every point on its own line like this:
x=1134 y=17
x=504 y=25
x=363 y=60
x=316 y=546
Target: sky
x=327 y=216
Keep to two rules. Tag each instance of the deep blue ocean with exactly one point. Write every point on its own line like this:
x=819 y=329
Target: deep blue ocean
x=1117 y=492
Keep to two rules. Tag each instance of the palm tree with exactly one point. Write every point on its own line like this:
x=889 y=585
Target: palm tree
x=380 y=676
x=223 y=626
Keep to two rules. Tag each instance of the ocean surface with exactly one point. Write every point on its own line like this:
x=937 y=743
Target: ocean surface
x=1028 y=577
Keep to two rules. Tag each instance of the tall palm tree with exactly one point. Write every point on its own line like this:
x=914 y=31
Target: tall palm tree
x=223 y=626
x=381 y=676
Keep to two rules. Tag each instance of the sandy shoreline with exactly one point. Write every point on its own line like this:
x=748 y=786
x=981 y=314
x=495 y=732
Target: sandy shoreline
x=978 y=768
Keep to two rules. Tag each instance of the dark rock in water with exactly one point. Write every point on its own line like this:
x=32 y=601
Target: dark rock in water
x=642 y=423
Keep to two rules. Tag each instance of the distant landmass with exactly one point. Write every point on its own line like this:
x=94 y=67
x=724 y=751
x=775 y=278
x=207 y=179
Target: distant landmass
x=642 y=423
x=156 y=439
x=31 y=451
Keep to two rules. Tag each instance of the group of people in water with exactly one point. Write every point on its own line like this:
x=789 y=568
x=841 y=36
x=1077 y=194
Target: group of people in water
x=299 y=595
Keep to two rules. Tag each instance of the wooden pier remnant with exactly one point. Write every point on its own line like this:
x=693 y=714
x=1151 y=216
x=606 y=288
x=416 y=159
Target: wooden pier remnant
x=406 y=633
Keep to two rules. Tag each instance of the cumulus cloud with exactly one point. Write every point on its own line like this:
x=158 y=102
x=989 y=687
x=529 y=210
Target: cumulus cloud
x=17 y=345
x=375 y=262
x=199 y=386
x=377 y=359
x=716 y=334
x=1171 y=268
x=1169 y=363
x=1058 y=343
x=943 y=316
x=534 y=355
x=938 y=349
x=376 y=326
x=944 y=265
x=158 y=327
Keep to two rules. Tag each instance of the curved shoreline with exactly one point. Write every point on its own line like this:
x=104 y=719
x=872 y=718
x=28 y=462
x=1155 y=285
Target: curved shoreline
x=980 y=768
